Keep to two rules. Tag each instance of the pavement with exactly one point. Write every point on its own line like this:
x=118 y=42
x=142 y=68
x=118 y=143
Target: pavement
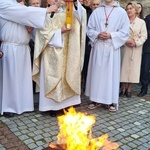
x=129 y=126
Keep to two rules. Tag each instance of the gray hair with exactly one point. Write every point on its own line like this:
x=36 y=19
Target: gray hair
x=30 y=1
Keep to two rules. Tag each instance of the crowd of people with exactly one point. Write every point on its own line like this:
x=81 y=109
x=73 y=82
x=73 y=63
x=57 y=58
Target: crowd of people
x=100 y=55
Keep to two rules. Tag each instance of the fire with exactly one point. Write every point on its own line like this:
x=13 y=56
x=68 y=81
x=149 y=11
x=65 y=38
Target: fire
x=75 y=133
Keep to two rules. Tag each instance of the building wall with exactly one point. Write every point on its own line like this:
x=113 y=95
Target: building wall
x=145 y=3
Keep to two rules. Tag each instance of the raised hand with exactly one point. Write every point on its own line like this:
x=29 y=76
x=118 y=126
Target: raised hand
x=52 y=8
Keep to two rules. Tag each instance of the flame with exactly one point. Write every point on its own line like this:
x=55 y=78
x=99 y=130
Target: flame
x=75 y=133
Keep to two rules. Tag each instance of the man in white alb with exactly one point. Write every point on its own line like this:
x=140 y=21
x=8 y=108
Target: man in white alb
x=16 y=94
x=108 y=30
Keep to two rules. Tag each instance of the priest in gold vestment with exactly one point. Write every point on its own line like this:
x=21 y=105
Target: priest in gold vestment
x=58 y=59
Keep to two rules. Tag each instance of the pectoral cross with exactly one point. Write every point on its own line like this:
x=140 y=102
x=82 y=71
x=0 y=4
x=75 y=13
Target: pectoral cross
x=107 y=16
x=106 y=24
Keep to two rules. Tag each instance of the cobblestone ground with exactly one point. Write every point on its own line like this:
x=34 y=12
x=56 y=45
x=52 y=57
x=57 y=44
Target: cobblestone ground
x=129 y=126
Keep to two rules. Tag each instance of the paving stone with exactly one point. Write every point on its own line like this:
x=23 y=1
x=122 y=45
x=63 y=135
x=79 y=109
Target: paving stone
x=142 y=148
x=31 y=129
x=46 y=135
x=125 y=134
x=32 y=146
x=17 y=133
x=31 y=135
x=143 y=140
x=110 y=128
x=121 y=129
x=31 y=125
x=21 y=124
x=132 y=145
x=40 y=143
x=135 y=136
x=14 y=129
x=129 y=139
x=54 y=138
x=38 y=115
x=129 y=126
x=39 y=137
x=48 y=139
x=142 y=112
x=23 y=137
x=22 y=127
x=40 y=127
x=47 y=130
x=28 y=141
x=11 y=124
x=5 y=120
x=119 y=136
x=38 y=132
x=34 y=120
x=125 y=147
x=26 y=121
x=54 y=133
x=137 y=142
x=137 y=123
x=25 y=131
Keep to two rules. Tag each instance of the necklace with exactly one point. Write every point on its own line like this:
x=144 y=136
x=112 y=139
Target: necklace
x=107 y=17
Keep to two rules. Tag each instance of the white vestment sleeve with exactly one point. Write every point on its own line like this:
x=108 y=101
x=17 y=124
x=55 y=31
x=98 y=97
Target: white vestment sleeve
x=121 y=36
x=78 y=12
x=57 y=40
x=29 y=16
x=92 y=32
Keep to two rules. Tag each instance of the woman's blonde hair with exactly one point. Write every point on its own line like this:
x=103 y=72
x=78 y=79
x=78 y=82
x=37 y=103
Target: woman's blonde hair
x=134 y=5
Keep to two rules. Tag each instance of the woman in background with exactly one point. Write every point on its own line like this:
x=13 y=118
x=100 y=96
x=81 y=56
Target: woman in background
x=132 y=50
x=140 y=11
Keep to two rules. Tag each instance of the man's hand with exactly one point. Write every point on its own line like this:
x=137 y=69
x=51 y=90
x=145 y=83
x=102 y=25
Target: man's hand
x=29 y=29
x=64 y=29
x=52 y=8
x=104 y=36
x=1 y=54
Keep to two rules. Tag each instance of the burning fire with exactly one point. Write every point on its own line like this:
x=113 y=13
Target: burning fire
x=75 y=133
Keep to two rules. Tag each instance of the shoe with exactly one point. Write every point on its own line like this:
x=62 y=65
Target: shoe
x=142 y=93
x=8 y=114
x=53 y=113
x=121 y=94
x=112 y=108
x=128 y=94
x=93 y=105
x=105 y=106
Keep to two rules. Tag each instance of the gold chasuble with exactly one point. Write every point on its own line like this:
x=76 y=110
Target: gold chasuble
x=62 y=66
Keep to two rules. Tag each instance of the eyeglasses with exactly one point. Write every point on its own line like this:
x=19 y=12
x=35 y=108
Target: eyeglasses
x=95 y=4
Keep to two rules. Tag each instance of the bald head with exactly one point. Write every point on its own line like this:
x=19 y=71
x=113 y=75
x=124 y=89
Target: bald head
x=95 y=4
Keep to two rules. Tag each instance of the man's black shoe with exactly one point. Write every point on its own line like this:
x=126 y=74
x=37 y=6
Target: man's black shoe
x=121 y=94
x=142 y=93
x=53 y=113
x=8 y=114
x=128 y=94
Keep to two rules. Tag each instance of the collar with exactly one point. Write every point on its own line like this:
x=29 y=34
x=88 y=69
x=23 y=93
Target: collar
x=115 y=4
